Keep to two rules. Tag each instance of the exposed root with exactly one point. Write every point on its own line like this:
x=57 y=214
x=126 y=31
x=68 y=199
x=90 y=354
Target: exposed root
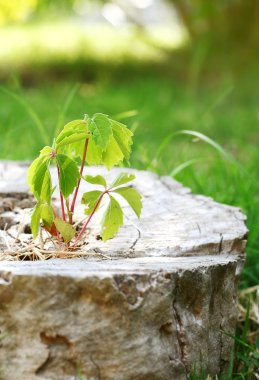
x=35 y=253
x=29 y=251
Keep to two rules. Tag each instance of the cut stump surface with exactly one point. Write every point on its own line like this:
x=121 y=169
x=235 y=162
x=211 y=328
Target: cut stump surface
x=158 y=308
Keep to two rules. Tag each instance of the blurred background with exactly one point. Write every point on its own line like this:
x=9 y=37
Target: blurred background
x=182 y=74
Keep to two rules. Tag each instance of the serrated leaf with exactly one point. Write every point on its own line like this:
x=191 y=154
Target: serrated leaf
x=46 y=151
x=113 y=154
x=112 y=219
x=78 y=125
x=121 y=179
x=72 y=132
x=95 y=180
x=69 y=174
x=90 y=199
x=75 y=150
x=100 y=127
x=35 y=220
x=133 y=198
x=123 y=137
x=93 y=154
x=65 y=229
x=39 y=179
x=119 y=145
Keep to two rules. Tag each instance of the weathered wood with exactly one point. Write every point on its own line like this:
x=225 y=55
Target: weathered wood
x=158 y=308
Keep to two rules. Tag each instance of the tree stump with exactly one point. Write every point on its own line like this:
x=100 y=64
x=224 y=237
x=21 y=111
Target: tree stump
x=158 y=308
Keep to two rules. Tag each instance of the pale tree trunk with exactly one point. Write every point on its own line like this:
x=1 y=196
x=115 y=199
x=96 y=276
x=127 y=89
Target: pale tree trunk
x=158 y=301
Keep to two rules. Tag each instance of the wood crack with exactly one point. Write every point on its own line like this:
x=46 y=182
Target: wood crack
x=60 y=354
x=180 y=333
x=220 y=243
x=97 y=367
x=132 y=247
x=221 y=360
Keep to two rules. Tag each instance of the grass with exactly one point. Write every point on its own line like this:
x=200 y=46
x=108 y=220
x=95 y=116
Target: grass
x=244 y=361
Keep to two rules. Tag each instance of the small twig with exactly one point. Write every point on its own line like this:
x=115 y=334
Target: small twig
x=249 y=290
x=52 y=241
x=80 y=221
x=76 y=253
x=41 y=239
x=20 y=227
x=27 y=244
x=35 y=251
x=6 y=242
x=13 y=237
x=39 y=254
x=18 y=251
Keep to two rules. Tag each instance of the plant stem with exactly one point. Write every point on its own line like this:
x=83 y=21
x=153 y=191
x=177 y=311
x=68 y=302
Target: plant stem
x=89 y=218
x=78 y=183
x=61 y=199
x=55 y=215
x=69 y=213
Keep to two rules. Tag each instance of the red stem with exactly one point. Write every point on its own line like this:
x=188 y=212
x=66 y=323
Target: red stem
x=89 y=218
x=79 y=180
x=55 y=215
x=61 y=200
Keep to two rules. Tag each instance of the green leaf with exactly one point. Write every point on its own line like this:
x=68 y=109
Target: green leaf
x=35 y=220
x=69 y=174
x=46 y=187
x=46 y=151
x=113 y=154
x=41 y=211
x=75 y=150
x=39 y=179
x=89 y=199
x=123 y=137
x=72 y=132
x=112 y=220
x=95 y=180
x=93 y=154
x=47 y=215
x=100 y=128
x=122 y=179
x=109 y=141
x=65 y=230
x=119 y=145
x=132 y=197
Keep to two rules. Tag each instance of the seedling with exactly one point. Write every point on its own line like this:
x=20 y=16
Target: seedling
x=96 y=140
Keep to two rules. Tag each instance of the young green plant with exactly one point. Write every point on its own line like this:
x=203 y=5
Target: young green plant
x=96 y=140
